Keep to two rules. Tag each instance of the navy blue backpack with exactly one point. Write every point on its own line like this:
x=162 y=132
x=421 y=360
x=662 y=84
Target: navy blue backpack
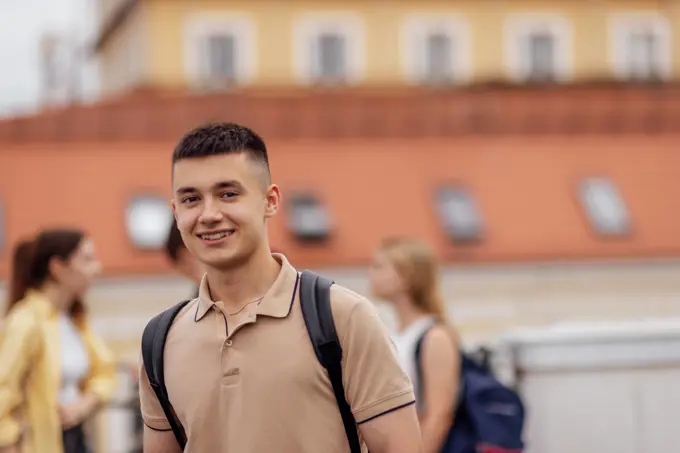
x=489 y=417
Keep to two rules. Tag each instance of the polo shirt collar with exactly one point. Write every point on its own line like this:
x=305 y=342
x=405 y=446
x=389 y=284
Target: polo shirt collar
x=277 y=301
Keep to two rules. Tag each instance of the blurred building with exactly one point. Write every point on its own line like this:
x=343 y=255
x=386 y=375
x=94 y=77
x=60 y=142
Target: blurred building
x=214 y=45
x=534 y=144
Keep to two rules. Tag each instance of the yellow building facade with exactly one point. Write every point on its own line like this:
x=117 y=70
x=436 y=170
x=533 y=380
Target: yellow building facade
x=210 y=44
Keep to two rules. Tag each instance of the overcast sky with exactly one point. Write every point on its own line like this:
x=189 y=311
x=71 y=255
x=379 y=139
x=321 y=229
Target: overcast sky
x=22 y=22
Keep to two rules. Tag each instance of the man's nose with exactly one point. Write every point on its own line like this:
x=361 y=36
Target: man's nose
x=210 y=213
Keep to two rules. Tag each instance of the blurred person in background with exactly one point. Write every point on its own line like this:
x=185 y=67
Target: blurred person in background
x=405 y=274
x=182 y=259
x=54 y=371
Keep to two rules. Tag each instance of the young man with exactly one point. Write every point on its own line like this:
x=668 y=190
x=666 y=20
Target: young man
x=240 y=369
x=182 y=259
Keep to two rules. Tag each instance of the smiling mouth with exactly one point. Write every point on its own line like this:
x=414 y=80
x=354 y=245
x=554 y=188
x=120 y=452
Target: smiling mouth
x=216 y=236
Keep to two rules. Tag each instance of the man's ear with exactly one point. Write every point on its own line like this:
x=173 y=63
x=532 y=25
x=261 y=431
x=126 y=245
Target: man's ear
x=272 y=200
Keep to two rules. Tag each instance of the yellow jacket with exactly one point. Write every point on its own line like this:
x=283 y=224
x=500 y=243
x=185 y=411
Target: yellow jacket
x=30 y=371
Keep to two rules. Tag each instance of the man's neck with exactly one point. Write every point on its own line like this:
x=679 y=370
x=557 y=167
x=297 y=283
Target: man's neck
x=239 y=286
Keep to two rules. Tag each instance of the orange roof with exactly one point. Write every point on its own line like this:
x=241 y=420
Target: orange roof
x=364 y=113
x=524 y=188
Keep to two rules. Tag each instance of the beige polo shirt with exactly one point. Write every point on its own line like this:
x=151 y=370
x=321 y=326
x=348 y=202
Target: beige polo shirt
x=251 y=383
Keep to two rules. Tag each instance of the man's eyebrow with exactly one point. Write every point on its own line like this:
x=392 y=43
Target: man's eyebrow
x=230 y=184
x=185 y=190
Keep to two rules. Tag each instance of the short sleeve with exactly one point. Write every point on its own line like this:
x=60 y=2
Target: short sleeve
x=152 y=411
x=375 y=383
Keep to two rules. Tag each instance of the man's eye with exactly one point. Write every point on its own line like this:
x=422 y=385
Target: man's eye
x=189 y=199
x=229 y=194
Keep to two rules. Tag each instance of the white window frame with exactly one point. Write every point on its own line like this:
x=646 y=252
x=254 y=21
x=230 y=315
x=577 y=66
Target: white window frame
x=148 y=217
x=414 y=32
x=309 y=26
x=518 y=28
x=450 y=199
x=601 y=199
x=199 y=26
x=620 y=25
x=308 y=216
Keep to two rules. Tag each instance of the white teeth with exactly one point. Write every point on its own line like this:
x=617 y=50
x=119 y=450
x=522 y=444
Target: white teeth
x=214 y=236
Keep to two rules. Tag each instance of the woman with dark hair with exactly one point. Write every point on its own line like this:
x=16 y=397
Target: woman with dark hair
x=54 y=372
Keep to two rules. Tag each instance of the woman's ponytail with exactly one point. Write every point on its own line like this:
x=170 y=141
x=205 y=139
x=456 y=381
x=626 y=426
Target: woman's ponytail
x=22 y=263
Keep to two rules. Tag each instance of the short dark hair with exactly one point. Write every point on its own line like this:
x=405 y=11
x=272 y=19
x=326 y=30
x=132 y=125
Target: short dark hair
x=174 y=242
x=221 y=138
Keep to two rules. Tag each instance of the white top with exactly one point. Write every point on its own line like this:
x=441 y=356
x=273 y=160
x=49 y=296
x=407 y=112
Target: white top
x=75 y=362
x=406 y=342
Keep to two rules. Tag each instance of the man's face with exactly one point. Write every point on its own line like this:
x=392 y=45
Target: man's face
x=221 y=205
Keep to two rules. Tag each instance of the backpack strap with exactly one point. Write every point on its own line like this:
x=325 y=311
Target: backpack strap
x=315 y=301
x=419 y=363
x=153 y=344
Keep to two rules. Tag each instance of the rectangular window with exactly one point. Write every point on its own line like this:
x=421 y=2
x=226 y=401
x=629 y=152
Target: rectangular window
x=439 y=61
x=221 y=57
x=459 y=213
x=604 y=206
x=308 y=217
x=643 y=50
x=640 y=47
x=539 y=47
x=436 y=49
x=330 y=55
x=329 y=48
x=541 y=57
x=148 y=219
x=219 y=50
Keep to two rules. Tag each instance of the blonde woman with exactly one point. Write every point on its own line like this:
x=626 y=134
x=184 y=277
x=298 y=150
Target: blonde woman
x=405 y=274
x=54 y=371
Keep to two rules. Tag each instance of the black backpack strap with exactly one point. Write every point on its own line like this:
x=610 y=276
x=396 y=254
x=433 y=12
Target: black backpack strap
x=153 y=344
x=315 y=300
x=419 y=364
